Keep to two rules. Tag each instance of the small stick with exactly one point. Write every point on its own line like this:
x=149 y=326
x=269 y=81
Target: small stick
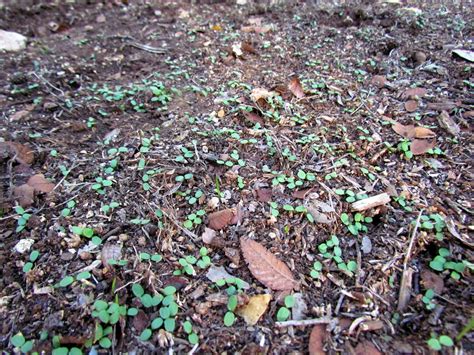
x=412 y=239
x=305 y=322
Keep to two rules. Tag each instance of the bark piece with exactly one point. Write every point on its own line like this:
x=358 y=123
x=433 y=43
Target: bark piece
x=371 y=202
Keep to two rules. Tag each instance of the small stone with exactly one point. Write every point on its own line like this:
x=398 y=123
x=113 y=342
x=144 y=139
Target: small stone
x=123 y=237
x=141 y=241
x=419 y=57
x=11 y=41
x=24 y=245
x=85 y=255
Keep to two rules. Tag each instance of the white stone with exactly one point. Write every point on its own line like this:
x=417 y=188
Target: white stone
x=23 y=245
x=11 y=41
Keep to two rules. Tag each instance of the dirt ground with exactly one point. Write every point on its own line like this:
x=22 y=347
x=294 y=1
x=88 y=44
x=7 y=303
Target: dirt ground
x=143 y=144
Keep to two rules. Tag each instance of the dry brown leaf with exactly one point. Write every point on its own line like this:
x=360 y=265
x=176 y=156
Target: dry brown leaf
x=431 y=280
x=208 y=235
x=264 y=195
x=22 y=153
x=253 y=117
x=404 y=131
x=411 y=105
x=316 y=340
x=221 y=113
x=256 y=29
x=448 y=123
x=221 y=219
x=40 y=183
x=254 y=309
x=366 y=347
x=422 y=132
x=247 y=47
x=414 y=93
x=295 y=87
x=261 y=94
x=379 y=81
x=421 y=146
x=24 y=194
x=265 y=266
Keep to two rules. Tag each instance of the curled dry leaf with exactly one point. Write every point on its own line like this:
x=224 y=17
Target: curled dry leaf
x=254 y=309
x=24 y=194
x=110 y=252
x=431 y=280
x=422 y=132
x=301 y=194
x=208 y=235
x=316 y=340
x=261 y=94
x=404 y=131
x=421 y=146
x=295 y=87
x=264 y=195
x=414 y=93
x=40 y=183
x=266 y=267
x=411 y=105
x=221 y=219
x=448 y=123
x=22 y=153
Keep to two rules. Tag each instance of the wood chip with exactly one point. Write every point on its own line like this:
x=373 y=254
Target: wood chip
x=371 y=202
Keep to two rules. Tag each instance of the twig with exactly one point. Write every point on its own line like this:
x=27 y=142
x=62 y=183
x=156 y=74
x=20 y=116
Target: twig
x=412 y=239
x=305 y=322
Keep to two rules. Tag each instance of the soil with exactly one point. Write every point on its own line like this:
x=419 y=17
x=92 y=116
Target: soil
x=175 y=85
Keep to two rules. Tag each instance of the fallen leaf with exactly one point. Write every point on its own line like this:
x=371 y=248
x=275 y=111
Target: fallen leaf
x=24 y=194
x=411 y=105
x=421 y=146
x=431 y=280
x=261 y=94
x=265 y=266
x=19 y=115
x=254 y=309
x=379 y=81
x=414 y=93
x=253 y=117
x=464 y=54
x=140 y=321
x=366 y=347
x=22 y=153
x=295 y=87
x=247 y=47
x=318 y=216
x=110 y=252
x=316 y=340
x=422 y=132
x=264 y=195
x=216 y=27
x=208 y=235
x=215 y=273
x=448 y=123
x=404 y=131
x=221 y=219
x=301 y=194
x=40 y=183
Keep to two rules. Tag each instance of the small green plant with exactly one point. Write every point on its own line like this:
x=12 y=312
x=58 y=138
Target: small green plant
x=194 y=219
x=428 y=299
x=90 y=122
x=404 y=147
x=433 y=222
x=30 y=264
x=187 y=154
x=23 y=218
x=331 y=250
x=351 y=196
x=68 y=209
x=108 y=208
x=355 y=222
x=402 y=201
x=315 y=272
x=240 y=182
x=440 y=263
x=274 y=209
x=284 y=312
x=187 y=263
x=232 y=159
x=330 y=176
x=21 y=344
x=192 y=336
x=146 y=178
x=181 y=178
x=88 y=233
x=101 y=184
x=140 y=221
x=235 y=286
x=107 y=315
x=437 y=343
x=147 y=257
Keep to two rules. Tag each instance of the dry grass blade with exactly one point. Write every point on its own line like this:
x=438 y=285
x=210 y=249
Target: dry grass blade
x=265 y=266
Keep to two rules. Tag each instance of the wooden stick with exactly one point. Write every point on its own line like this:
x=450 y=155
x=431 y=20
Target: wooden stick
x=371 y=202
x=305 y=322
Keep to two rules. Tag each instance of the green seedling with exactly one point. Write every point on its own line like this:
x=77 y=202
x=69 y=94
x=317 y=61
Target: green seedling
x=440 y=263
x=428 y=299
x=108 y=208
x=187 y=154
x=274 y=209
x=434 y=222
x=23 y=218
x=90 y=122
x=146 y=178
x=232 y=159
x=69 y=207
x=181 y=178
x=235 y=286
x=401 y=200
x=330 y=176
x=240 y=182
x=350 y=195
x=315 y=272
x=148 y=257
x=193 y=199
x=194 y=219
x=101 y=184
x=355 y=222
x=140 y=221
x=331 y=250
x=106 y=315
x=32 y=258
x=367 y=173
x=187 y=263
x=21 y=344
x=284 y=312
x=404 y=147
x=88 y=233
x=437 y=343
x=192 y=336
